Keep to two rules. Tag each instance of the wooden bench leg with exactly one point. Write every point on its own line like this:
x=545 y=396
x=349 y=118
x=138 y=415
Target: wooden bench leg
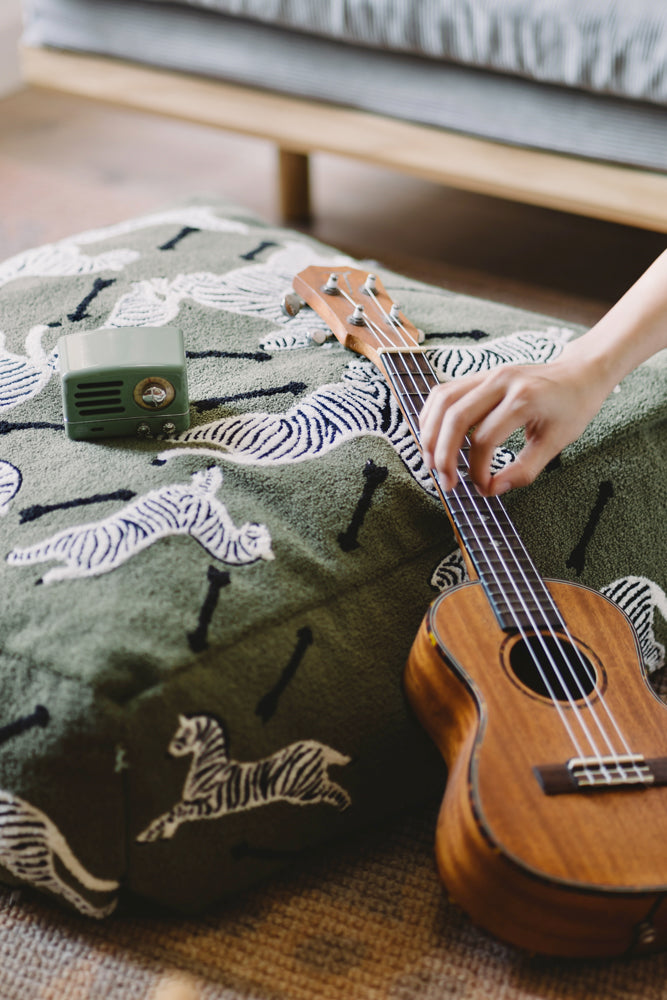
x=294 y=184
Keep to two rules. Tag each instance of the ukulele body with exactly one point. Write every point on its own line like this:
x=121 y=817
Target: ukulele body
x=566 y=870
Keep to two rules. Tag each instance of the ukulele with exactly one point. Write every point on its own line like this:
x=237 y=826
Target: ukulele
x=552 y=832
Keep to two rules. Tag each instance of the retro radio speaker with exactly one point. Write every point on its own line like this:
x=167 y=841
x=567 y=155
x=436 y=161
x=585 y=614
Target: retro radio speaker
x=126 y=381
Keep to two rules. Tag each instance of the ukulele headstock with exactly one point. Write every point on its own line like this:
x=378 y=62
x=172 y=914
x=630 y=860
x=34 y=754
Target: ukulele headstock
x=357 y=309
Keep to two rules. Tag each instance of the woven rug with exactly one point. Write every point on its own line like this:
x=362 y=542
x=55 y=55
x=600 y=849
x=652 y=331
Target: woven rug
x=364 y=920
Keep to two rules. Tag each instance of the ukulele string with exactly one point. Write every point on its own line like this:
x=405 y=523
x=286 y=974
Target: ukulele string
x=409 y=343
x=616 y=766
x=537 y=632
x=569 y=666
x=579 y=655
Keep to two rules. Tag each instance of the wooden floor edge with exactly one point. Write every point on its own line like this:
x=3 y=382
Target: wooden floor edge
x=626 y=195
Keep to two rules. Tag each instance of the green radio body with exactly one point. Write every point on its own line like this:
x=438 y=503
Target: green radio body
x=125 y=381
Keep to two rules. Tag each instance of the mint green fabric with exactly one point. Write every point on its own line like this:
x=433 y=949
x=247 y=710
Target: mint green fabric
x=257 y=581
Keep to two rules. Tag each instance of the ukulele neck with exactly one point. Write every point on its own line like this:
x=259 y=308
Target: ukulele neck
x=362 y=316
x=511 y=581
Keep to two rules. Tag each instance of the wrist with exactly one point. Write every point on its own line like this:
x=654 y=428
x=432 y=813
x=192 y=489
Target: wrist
x=593 y=365
x=612 y=348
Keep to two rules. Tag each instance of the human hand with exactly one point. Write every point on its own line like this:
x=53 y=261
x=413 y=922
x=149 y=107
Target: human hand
x=553 y=402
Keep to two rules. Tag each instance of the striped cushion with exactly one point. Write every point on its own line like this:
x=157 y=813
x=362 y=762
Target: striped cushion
x=602 y=45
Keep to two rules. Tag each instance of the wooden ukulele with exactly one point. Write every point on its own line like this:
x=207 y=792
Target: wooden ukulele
x=553 y=827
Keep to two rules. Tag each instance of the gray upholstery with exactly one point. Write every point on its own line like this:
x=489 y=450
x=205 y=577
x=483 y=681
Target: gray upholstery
x=494 y=105
x=608 y=46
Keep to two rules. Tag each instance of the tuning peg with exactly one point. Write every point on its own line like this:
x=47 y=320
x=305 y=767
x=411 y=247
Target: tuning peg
x=331 y=287
x=291 y=304
x=318 y=337
x=394 y=313
x=357 y=318
x=370 y=284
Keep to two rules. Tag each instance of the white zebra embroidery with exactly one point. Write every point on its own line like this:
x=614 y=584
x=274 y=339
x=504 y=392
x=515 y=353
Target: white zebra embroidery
x=23 y=376
x=251 y=290
x=64 y=258
x=30 y=843
x=335 y=413
x=180 y=509
x=216 y=785
x=639 y=597
x=520 y=348
x=10 y=484
x=450 y=572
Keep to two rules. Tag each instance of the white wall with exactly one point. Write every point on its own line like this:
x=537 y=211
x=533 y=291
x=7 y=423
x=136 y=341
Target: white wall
x=10 y=32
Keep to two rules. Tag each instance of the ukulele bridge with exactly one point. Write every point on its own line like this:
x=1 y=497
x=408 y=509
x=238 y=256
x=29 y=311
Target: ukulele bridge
x=602 y=773
x=593 y=772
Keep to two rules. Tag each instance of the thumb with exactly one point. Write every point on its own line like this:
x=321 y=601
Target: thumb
x=524 y=470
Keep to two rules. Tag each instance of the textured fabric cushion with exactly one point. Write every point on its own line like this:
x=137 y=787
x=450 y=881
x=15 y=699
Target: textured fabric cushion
x=244 y=596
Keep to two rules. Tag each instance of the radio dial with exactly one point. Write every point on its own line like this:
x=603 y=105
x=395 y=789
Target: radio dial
x=153 y=393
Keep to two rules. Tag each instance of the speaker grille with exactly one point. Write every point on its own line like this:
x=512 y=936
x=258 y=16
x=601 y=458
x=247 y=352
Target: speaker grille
x=98 y=399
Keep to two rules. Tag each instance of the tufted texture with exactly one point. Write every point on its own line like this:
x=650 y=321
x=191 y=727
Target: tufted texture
x=236 y=596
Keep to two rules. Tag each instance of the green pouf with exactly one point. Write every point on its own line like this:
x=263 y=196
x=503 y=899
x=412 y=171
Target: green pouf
x=204 y=636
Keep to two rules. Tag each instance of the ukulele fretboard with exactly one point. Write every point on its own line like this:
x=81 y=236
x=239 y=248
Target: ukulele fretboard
x=513 y=585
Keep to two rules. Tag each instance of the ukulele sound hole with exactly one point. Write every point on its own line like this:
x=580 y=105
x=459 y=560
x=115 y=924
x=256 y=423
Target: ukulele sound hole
x=552 y=667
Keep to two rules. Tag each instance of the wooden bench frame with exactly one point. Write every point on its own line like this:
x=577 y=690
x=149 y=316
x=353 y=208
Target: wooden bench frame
x=627 y=195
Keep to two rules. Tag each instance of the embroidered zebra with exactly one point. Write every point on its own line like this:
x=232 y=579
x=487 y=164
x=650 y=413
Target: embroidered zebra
x=10 y=484
x=333 y=414
x=23 y=376
x=32 y=848
x=216 y=785
x=65 y=257
x=520 y=348
x=450 y=572
x=252 y=290
x=181 y=509
x=639 y=597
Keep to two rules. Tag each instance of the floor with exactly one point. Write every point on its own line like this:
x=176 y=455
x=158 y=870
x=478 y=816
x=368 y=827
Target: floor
x=68 y=164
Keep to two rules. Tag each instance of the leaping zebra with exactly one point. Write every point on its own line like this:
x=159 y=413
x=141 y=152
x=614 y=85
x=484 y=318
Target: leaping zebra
x=216 y=785
x=180 y=509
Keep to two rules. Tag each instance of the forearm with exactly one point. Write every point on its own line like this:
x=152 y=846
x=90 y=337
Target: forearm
x=634 y=329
